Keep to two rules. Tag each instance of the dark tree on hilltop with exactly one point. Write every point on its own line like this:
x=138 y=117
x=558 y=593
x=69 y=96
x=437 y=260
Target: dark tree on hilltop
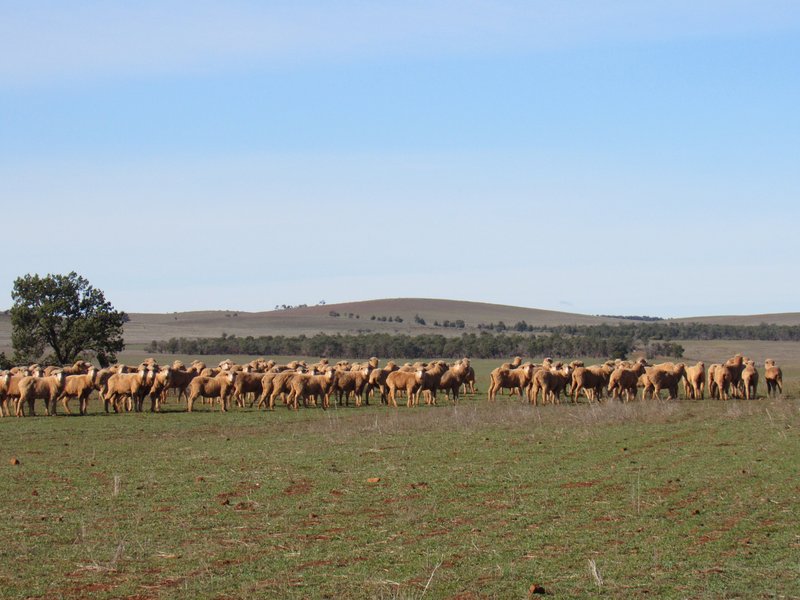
x=65 y=315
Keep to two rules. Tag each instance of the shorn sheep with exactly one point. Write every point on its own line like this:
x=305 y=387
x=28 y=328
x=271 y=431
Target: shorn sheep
x=407 y=381
x=695 y=382
x=217 y=388
x=47 y=388
x=774 y=377
x=750 y=380
x=80 y=387
x=503 y=378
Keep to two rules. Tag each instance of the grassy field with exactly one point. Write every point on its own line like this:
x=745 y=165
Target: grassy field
x=668 y=499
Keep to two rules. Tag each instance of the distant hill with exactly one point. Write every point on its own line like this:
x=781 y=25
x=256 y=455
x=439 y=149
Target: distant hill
x=314 y=319
x=792 y=318
x=144 y=327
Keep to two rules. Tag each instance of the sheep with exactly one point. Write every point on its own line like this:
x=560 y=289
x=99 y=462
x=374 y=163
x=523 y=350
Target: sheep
x=430 y=381
x=351 y=382
x=305 y=386
x=551 y=381
x=158 y=391
x=9 y=390
x=726 y=378
x=774 y=377
x=47 y=388
x=277 y=384
x=713 y=390
x=130 y=387
x=467 y=376
x=266 y=386
x=216 y=388
x=591 y=380
x=179 y=380
x=247 y=383
x=695 y=382
x=79 y=367
x=377 y=379
x=735 y=366
x=665 y=376
x=80 y=387
x=408 y=381
x=624 y=379
x=516 y=362
x=750 y=380
x=502 y=377
x=451 y=382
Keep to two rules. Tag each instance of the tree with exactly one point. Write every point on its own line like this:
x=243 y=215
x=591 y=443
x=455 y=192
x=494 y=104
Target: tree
x=65 y=314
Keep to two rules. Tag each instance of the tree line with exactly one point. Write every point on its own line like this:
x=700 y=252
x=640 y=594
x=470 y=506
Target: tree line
x=418 y=346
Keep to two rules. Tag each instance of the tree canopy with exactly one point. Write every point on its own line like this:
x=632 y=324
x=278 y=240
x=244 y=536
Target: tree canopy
x=65 y=315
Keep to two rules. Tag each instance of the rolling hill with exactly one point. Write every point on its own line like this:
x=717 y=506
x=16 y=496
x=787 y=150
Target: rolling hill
x=356 y=317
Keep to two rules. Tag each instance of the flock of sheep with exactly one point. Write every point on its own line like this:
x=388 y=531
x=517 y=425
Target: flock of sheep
x=737 y=377
x=260 y=381
x=124 y=387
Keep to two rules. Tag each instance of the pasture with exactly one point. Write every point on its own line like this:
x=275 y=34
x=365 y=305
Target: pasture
x=687 y=499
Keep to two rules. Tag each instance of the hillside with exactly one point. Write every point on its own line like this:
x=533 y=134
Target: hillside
x=144 y=327
x=313 y=319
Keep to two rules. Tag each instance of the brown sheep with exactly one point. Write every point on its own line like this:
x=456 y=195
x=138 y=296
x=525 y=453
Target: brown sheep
x=247 y=383
x=47 y=388
x=9 y=390
x=551 y=382
x=351 y=382
x=713 y=390
x=666 y=376
x=735 y=366
x=377 y=379
x=591 y=380
x=80 y=387
x=468 y=376
x=408 y=381
x=723 y=379
x=217 y=388
x=695 y=382
x=622 y=383
x=501 y=378
x=431 y=377
x=79 y=367
x=451 y=382
x=774 y=377
x=128 y=387
x=305 y=386
x=278 y=384
x=750 y=380
x=179 y=380
x=266 y=387
x=161 y=384
x=516 y=362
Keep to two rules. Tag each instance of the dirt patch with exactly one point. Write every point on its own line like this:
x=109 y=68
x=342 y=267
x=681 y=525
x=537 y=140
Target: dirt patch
x=298 y=488
x=579 y=484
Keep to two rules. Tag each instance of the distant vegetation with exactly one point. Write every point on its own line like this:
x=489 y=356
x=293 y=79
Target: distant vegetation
x=633 y=317
x=419 y=346
x=652 y=339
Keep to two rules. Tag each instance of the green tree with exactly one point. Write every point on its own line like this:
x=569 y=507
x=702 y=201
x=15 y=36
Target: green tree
x=65 y=314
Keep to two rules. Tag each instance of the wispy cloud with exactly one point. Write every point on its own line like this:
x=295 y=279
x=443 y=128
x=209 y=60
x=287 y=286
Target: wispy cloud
x=66 y=40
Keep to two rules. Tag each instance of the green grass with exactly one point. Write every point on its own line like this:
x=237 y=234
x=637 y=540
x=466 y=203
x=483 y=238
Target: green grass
x=670 y=499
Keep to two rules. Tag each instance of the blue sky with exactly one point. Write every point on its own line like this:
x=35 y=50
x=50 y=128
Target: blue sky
x=596 y=157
